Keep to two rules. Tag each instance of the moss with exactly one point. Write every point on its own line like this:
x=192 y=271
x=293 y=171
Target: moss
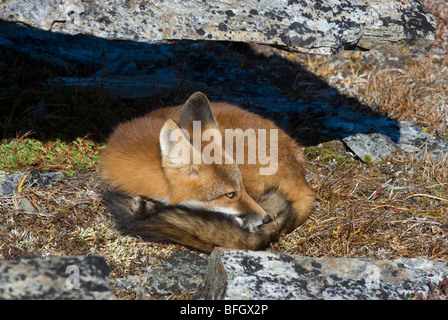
x=368 y=159
x=332 y=151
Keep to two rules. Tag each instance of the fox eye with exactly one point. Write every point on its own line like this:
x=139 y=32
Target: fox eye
x=230 y=195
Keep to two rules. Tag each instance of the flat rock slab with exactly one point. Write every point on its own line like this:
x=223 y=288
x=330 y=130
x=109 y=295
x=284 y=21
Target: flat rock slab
x=65 y=277
x=243 y=275
x=313 y=26
x=370 y=147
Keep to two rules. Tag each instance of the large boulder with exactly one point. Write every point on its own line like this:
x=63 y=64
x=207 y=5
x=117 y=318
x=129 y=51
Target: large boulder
x=312 y=26
x=240 y=275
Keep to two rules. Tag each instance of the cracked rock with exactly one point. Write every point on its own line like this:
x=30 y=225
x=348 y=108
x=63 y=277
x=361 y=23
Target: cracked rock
x=180 y=273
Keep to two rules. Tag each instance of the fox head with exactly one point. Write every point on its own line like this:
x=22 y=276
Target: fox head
x=200 y=174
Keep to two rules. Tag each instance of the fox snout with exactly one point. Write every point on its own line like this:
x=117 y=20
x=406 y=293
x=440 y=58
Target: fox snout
x=256 y=220
x=252 y=213
x=267 y=219
x=250 y=221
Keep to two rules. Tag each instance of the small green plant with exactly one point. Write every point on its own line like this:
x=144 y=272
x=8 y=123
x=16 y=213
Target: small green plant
x=368 y=159
x=69 y=157
x=332 y=151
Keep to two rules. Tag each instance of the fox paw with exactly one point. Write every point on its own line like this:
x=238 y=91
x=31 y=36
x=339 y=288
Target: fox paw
x=141 y=205
x=244 y=224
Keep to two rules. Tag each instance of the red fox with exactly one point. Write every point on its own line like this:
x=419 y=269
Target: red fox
x=170 y=176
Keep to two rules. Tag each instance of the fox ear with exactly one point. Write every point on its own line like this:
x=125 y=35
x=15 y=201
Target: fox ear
x=197 y=108
x=176 y=150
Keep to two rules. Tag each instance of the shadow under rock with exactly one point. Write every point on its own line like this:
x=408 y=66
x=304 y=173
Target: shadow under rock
x=251 y=76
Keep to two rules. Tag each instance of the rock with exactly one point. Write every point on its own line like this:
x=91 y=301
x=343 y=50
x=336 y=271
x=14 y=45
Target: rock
x=131 y=283
x=9 y=183
x=76 y=277
x=40 y=110
x=182 y=272
x=127 y=87
x=27 y=206
x=241 y=275
x=375 y=147
x=421 y=144
x=370 y=147
x=316 y=27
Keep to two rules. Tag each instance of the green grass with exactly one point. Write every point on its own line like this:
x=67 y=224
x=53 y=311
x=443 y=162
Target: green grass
x=23 y=153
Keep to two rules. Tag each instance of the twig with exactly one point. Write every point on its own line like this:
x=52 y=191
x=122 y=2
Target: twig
x=22 y=182
x=426 y=195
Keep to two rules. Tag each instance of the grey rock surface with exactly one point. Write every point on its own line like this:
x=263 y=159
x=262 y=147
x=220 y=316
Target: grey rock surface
x=268 y=275
x=237 y=275
x=182 y=272
x=320 y=27
x=374 y=147
x=9 y=182
x=370 y=147
x=65 y=277
x=423 y=145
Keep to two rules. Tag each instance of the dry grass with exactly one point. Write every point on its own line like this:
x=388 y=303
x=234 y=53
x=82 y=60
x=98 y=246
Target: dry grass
x=398 y=208
x=404 y=87
x=69 y=219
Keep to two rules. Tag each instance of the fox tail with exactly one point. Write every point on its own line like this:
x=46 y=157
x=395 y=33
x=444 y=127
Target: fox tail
x=200 y=229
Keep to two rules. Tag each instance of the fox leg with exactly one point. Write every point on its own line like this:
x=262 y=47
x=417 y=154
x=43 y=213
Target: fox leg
x=139 y=205
x=301 y=206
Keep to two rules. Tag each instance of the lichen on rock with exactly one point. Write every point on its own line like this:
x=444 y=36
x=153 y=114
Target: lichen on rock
x=318 y=27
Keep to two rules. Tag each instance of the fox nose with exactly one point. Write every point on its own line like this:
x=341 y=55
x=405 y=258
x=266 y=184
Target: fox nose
x=267 y=219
